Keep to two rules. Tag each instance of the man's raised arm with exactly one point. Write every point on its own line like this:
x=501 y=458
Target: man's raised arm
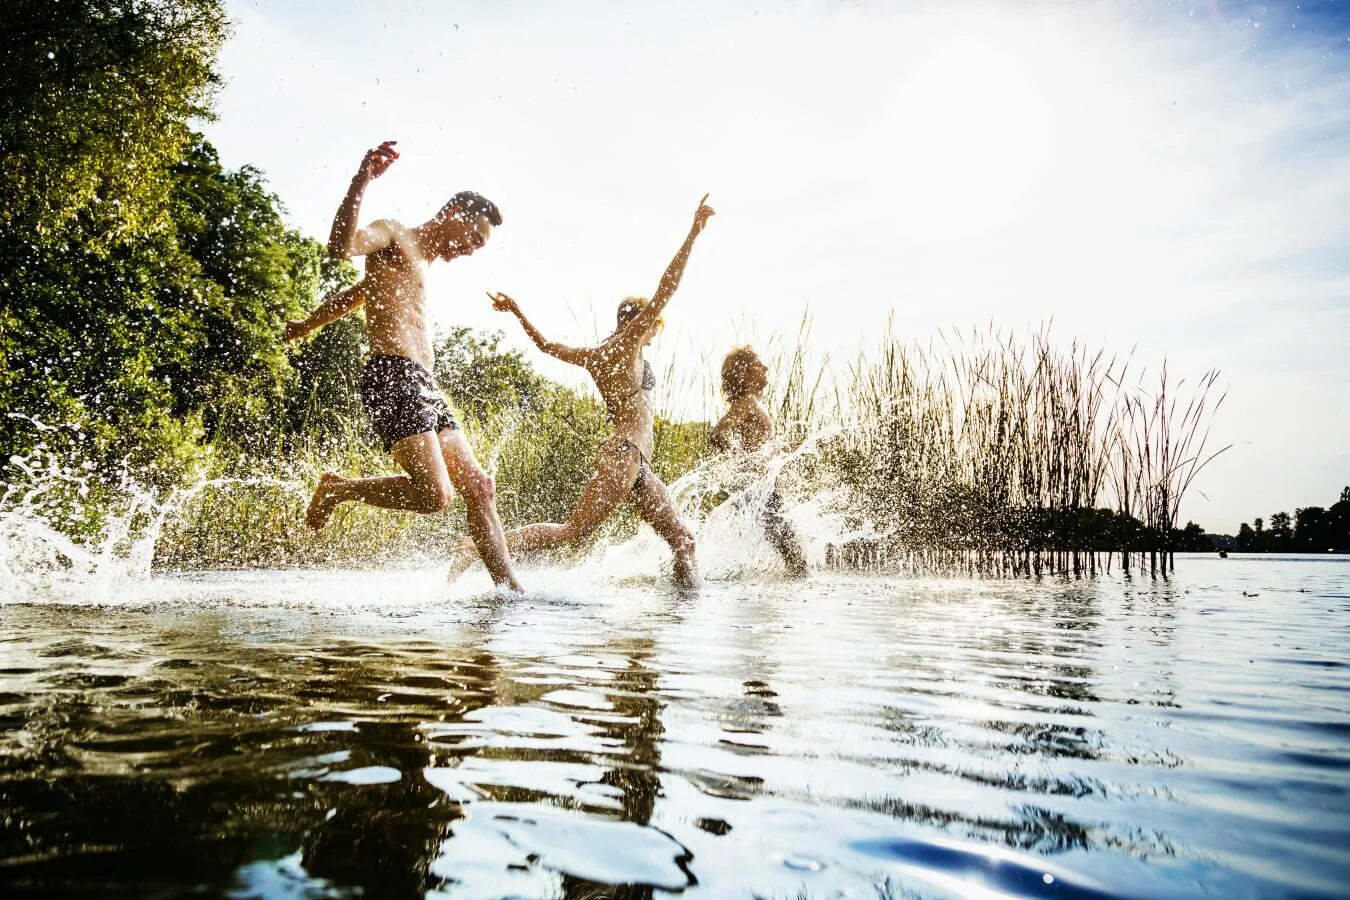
x=345 y=240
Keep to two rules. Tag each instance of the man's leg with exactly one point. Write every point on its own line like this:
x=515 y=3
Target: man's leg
x=425 y=489
x=609 y=486
x=480 y=501
x=783 y=537
x=658 y=510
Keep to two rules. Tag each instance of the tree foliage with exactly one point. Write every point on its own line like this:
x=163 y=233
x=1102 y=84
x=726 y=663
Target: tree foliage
x=1312 y=529
x=96 y=97
x=480 y=378
x=144 y=284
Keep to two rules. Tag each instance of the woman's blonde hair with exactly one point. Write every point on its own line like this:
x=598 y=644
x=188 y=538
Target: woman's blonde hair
x=735 y=367
x=631 y=306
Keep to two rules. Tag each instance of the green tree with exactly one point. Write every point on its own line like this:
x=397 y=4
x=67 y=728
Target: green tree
x=1281 y=535
x=95 y=102
x=96 y=97
x=150 y=342
x=252 y=274
x=1192 y=539
x=1246 y=538
x=480 y=378
x=1310 y=530
x=1337 y=529
x=325 y=404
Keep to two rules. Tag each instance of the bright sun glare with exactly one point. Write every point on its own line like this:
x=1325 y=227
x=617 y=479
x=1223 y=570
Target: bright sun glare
x=971 y=125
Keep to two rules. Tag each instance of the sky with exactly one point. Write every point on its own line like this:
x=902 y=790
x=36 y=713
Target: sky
x=1170 y=180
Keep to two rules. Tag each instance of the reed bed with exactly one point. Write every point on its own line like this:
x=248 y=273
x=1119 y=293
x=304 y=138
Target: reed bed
x=989 y=452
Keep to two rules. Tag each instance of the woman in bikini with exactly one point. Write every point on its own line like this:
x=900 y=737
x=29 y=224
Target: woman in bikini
x=747 y=425
x=622 y=465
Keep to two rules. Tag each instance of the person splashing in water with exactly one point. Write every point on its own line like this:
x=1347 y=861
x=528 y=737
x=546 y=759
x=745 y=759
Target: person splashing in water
x=409 y=414
x=747 y=425
x=623 y=463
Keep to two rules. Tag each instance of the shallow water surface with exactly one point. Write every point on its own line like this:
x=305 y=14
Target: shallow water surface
x=335 y=733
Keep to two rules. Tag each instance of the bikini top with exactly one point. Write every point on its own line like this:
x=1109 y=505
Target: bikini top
x=648 y=380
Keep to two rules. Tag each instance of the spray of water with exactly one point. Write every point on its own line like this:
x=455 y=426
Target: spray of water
x=729 y=500
x=66 y=535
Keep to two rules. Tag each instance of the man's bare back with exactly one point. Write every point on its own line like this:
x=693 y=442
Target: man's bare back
x=746 y=423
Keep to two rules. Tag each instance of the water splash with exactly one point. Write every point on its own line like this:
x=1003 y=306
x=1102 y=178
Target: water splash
x=729 y=499
x=67 y=535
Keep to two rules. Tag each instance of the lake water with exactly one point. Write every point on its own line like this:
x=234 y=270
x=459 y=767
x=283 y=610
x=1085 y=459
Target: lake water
x=299 y=734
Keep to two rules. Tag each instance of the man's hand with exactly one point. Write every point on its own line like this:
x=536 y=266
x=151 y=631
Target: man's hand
x=503 y=303
x=377 y=161
x=701 y=217
x=294 y=331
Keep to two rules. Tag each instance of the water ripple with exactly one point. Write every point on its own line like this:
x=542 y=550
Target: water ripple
x=273 y=734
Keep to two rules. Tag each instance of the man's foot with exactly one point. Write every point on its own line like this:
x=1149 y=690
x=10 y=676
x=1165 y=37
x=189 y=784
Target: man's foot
x=465 y=555
x=324 y=501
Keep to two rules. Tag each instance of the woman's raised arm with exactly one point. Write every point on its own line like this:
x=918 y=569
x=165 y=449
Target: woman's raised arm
x=649 y=314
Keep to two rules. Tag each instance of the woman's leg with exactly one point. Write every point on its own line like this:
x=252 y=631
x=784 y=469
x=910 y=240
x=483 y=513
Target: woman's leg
x=658 y=510
x=615 y=472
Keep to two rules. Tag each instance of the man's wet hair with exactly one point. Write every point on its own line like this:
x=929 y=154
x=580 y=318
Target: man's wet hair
x=735 y=367
x=472 y=203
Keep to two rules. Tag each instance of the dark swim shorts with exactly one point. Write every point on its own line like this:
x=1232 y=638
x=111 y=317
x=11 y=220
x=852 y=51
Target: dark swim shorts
x=402 y=400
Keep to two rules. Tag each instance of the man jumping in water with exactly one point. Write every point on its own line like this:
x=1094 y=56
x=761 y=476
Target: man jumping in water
x=408 y=412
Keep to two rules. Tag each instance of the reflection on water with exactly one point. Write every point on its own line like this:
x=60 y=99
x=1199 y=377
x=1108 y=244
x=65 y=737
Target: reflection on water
x=328 y=734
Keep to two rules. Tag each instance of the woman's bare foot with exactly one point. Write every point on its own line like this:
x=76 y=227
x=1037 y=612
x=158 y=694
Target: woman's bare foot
x=324 y=501
x=465 y=555
x=686 y=571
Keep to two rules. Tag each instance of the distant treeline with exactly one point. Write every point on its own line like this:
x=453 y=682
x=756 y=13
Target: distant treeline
x=1312 y=529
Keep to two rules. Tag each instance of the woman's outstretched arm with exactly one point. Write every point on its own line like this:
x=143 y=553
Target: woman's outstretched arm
x=649 y=314
x=574 y=355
